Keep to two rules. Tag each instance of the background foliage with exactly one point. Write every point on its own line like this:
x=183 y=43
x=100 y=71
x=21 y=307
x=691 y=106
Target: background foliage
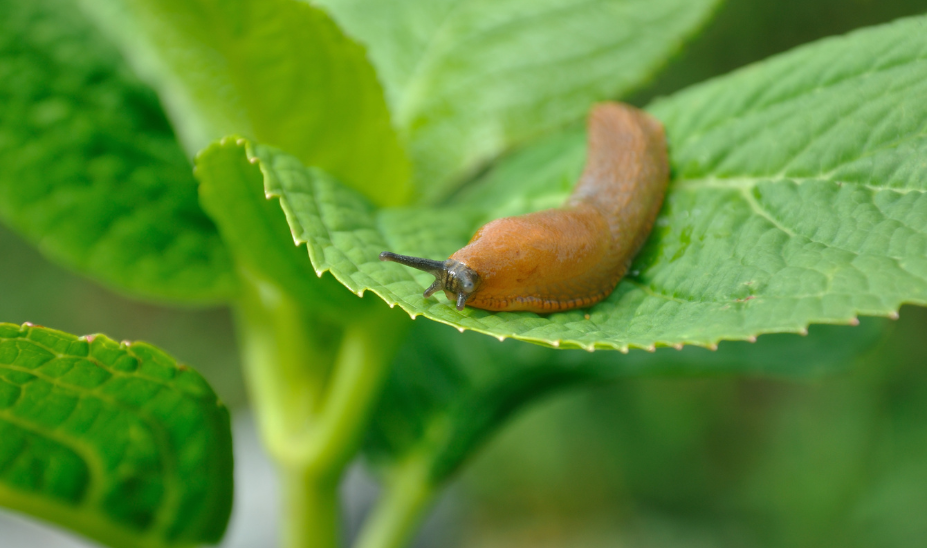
x=736 y=463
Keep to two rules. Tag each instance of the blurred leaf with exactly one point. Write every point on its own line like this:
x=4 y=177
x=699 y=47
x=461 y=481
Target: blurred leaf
x=89 y=168
x=115 y=441
x=449 y=391
x=278 y=71
x=798 y=197
x=747 y=31
x=466 y=80
x=836 y=461
x=254 y=228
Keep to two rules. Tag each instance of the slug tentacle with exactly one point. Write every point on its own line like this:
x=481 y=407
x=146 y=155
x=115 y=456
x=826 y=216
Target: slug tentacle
x=425 y=265
x=433 y=288
x=456 y=279
x=572 y=257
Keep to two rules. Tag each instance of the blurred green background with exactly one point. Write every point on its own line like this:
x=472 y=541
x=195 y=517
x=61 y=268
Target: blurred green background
x=662 y=462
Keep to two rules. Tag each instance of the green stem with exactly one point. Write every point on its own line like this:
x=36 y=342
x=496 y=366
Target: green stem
x=313 y=385
x=310 y=517
x=407 y=493
x=277 y=346
x=367 y=347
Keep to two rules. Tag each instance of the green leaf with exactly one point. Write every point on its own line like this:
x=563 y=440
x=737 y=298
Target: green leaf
x=278 y=71
x=256 y=231
x=466 y=80
x=89 y=168
x=798 y=197
x=115 y=441
x=447 y=392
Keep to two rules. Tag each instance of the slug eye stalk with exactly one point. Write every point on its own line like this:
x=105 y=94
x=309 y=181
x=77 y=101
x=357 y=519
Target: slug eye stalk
x=457 y=280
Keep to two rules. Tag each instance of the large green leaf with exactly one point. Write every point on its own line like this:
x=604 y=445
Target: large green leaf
x=468 y=79
x=798 y=197
x=89 y=168
x=279 y=71
x=115 y=441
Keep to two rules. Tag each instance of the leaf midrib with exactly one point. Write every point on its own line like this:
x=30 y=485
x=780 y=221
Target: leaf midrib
x=402 y=109
x=748 y=182
x=434 y=47
x=88 y=520
x=744 y=185
x=165 y=512
x=88 y=453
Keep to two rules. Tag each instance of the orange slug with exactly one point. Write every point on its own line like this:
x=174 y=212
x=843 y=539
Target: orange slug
x=571 y=257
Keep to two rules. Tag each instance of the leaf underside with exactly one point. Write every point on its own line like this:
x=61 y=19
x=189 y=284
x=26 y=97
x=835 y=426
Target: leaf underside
x=797 y=198
x=116 y=441
x=89 y=167
x=467 y=80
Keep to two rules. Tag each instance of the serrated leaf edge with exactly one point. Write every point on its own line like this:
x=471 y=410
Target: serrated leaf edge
x=320 y=266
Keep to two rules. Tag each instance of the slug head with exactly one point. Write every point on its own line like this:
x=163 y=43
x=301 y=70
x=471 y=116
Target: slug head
x=456 y=279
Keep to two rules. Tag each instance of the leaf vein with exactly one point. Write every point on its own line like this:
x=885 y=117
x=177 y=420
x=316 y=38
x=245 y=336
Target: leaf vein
x=753 y=109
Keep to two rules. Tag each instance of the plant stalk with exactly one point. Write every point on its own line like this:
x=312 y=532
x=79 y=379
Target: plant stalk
x=282 y=366
x=407 y=494
x=367 y=347
x=311 y=513
x=313 y=386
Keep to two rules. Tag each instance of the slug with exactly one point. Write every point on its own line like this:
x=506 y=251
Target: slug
x=574 y=256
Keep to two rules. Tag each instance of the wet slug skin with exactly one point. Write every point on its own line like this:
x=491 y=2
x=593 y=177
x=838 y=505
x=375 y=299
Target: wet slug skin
x=574 y=256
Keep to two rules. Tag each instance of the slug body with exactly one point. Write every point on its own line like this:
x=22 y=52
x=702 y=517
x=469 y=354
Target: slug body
x=572 y=257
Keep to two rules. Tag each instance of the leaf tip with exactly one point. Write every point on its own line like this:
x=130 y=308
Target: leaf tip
x=555 y=344
x=751 y=338
x=623 y=349
x=854 y=321
x=678 y=346
x=500 y=337
x=893 y=314
x=460 y=329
